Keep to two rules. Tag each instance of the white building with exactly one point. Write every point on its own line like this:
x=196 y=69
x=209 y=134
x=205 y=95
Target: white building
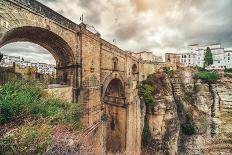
x=8 y=61
x=195 y=56
x=42 y=68
x=228 y=59
x=188 y=59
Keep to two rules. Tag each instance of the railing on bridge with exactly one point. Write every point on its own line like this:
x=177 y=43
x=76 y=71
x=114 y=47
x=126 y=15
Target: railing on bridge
x=115 y=100
x=47 y=12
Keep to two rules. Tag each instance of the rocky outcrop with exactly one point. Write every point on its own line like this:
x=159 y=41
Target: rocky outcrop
x=209 y=106
x=163 y=120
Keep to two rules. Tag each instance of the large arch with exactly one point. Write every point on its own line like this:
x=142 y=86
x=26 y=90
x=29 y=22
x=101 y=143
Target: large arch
x=114 y=99
x=57 y=46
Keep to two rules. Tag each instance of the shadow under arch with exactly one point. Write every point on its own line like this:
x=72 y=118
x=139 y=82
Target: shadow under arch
x=108 y=79
x=116 y=113
x=57 y=46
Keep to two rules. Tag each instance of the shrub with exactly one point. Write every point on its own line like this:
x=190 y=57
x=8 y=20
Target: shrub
x=208 y=76
x=147 y=92
x=229 y=70
x=20 y=98
x=146 y=134
x=189 y=128
x=17 y=98
x=27 y=98
x=167 y=70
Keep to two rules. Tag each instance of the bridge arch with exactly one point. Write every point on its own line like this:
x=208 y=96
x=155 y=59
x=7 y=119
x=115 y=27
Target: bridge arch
x=54 y=44
x=57 y=46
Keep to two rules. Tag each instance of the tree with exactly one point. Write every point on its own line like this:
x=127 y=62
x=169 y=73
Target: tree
x=208 y=57
x=1 y=56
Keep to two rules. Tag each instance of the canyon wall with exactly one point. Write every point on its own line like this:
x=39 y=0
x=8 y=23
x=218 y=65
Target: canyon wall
x=184 y=101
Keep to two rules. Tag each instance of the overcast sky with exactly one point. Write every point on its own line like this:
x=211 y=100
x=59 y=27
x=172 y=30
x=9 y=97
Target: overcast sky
x=154 y=25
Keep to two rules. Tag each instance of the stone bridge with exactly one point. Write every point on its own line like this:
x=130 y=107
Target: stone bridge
x=103 y=77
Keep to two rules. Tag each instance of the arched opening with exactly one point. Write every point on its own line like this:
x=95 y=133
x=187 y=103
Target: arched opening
x=134 y=69
x=116 y=117
x=61 y=54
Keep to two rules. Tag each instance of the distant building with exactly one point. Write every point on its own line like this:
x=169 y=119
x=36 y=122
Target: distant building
x=27 y=73
x=42 y=68
x=8 y=61
x=172 y=58
x=188 y=59
x=228 y=59
x=147 y=56
x=195 y=56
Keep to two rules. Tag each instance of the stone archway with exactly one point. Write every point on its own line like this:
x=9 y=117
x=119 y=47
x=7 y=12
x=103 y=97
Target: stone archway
x=57 y=46
x=114 y=98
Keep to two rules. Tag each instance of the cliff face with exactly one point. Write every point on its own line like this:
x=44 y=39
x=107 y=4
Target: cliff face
x=221 y=125
x=191 y=116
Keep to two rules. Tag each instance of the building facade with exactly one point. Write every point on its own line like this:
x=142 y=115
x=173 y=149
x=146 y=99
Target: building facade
x=195 y=56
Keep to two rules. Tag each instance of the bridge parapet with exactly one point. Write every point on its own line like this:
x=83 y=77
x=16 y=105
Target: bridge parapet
x=47 y=12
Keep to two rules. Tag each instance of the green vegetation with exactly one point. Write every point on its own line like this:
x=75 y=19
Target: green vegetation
x=208 y=76
x=189 y=128
x=146 y=135
x=167 y=70
x=147 y=91
x=26 y=101
x=29 y=139
x=228 y=70
x=208 y=57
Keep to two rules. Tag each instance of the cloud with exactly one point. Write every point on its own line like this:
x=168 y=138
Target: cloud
x=153 y=25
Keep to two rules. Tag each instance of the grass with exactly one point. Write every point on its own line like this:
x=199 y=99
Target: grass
x=27 y=99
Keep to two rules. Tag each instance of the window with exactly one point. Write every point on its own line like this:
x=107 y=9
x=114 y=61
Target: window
x=115 y=63
x=134 y=69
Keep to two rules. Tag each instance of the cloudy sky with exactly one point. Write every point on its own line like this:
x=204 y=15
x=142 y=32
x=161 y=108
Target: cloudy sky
x=154 y=25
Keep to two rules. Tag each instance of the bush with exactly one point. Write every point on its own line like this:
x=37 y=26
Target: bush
x=22 y=98
x=17 y=98
x=167 y=70
x=229 y=70
x=208 y=76
x=188 y=128
x=147 y=92
x=146 y=134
